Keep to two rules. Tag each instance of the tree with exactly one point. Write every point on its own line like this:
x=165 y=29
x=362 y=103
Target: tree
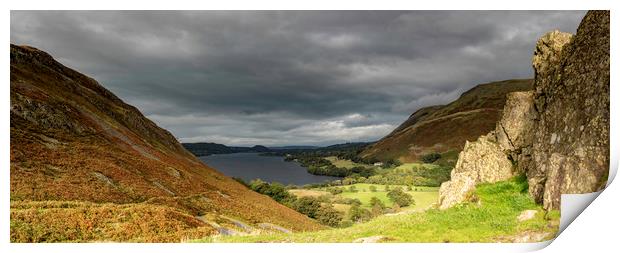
x=348 y=181
x=307 y=205
x=377 y=206
x=430 y=158
x=358 y=214
x=374 y=201
x=372 y=188
x=329 y=216
x=398 y=196
x=334 y=190
x=352 y=188
x=387 y=187
x=276 y=191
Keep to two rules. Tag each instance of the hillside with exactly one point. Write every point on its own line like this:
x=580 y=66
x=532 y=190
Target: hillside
x=84 y=164
x=446 y=127
x=209 y=148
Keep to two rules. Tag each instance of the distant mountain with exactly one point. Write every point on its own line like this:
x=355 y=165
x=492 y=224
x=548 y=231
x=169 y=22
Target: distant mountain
x=443 y=128
x=85 y=166
x=209 y=148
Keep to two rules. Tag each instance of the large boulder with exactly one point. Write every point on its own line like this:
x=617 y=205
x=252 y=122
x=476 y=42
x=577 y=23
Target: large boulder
x=481 y=161
x=455 y=191
x=571 y=143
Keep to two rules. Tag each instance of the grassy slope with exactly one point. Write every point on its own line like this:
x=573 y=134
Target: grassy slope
x=491 y=219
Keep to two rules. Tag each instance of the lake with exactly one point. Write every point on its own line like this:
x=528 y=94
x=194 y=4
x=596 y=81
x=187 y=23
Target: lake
x=250 y=166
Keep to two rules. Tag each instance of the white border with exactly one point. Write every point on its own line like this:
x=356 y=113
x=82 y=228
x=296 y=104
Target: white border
x=597 y=228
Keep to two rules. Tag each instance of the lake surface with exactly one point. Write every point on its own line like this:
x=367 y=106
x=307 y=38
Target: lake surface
x=249 y=166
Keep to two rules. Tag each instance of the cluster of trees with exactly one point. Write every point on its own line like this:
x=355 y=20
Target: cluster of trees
x=399 y=197
x=418 y=175
x=317 y=165
x=430 y=158
x=328 y=170
x=312 y=207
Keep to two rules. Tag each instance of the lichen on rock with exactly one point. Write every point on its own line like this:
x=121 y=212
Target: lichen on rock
x=571 y=142
x=481 y=161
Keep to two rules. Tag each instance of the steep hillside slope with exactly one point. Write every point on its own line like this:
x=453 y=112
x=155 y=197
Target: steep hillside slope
x=73 y=140
x=447 y=127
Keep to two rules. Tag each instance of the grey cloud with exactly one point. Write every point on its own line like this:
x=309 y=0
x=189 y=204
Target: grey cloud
x=289 y=77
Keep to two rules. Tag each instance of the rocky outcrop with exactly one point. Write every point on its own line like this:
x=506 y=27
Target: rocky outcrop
x=481 y=161
x=559 y=133
x=571 y=143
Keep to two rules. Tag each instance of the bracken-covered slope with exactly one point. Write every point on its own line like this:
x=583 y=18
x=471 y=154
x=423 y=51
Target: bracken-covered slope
x=446 y=127
x=74 y=144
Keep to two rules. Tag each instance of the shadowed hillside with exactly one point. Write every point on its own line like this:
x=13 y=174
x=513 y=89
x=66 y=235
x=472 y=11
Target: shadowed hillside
x=78 y=151
x=446 y=127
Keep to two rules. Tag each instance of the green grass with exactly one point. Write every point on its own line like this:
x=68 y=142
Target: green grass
x=492 y=219
x=424 y=196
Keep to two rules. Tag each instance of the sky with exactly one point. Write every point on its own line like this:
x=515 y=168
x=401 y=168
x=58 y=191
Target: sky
x=279 y=78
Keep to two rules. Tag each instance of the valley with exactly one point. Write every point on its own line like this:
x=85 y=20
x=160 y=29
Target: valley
x=489 y=166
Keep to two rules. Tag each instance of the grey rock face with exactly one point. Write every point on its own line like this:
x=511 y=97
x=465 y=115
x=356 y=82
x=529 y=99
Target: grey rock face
x=571 y=143
x=515 y=129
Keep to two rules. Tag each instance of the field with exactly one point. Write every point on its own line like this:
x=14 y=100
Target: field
x=305 y=193
x=491 y=219
x=424 y=196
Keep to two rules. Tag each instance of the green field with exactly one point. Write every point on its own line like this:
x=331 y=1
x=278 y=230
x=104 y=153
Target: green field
x=424 y=196
x=491 y=219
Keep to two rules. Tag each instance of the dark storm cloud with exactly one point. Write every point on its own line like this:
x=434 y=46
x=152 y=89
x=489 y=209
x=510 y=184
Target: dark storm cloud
x=291 y=77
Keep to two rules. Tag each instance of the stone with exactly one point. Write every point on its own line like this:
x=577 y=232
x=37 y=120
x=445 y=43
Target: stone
x=570 y=147
x=103 y=178
x=481 y=161
x=371 y=239
x=270 y=226
x=456 y=190
x=173 y=172
x=484 y=161
x=526 y=215
x=514 y=130
x=163 y=188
